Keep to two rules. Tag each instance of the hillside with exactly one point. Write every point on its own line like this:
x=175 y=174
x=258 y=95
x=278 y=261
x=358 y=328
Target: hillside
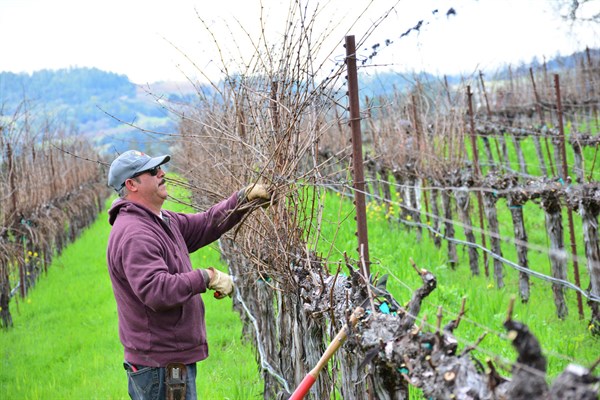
x=104 y=106
x=118 y=114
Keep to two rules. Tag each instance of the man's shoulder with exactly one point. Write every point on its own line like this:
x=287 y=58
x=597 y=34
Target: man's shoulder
x=132 y=217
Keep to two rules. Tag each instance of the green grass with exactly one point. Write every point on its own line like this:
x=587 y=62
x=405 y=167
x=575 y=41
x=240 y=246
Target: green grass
x=590 y=155
x=392 y=245
x=65 y=345
x=65 y=341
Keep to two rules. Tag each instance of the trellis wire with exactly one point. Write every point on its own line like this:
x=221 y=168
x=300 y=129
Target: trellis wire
x=466 y=243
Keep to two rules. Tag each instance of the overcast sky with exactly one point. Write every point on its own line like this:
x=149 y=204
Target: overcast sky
x=138 y=37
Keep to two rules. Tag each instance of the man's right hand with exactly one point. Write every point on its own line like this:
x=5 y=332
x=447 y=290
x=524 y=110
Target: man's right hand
x=257 y=191
x=220 y=282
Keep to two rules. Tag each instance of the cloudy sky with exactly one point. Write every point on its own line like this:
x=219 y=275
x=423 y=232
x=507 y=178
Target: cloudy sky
x=151 y=40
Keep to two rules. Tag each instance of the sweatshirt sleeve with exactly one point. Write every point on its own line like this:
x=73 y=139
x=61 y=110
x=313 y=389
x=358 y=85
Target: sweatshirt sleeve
x=149 y=277
x=201 y=229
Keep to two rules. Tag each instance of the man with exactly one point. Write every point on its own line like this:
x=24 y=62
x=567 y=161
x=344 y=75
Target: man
x=161 y=314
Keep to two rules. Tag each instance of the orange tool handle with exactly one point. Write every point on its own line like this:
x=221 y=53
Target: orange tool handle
x=303 y=388
x=335 y=344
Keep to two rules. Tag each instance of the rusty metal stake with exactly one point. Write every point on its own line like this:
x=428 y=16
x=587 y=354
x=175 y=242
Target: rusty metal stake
x=478 y=179
x=357 y=155
x=563 y=153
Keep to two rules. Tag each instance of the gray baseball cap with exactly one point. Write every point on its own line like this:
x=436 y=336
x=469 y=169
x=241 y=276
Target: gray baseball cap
x=130 y=163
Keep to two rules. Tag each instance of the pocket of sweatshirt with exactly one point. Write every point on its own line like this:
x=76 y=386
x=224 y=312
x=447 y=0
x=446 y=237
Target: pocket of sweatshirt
x=165 y=336
x=189 y=329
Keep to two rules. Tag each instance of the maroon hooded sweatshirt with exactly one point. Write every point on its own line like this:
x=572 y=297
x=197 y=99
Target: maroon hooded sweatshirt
x=161 y=314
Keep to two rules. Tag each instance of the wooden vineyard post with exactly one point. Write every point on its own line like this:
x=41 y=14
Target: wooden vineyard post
x=449 y=228
x=357 y=157
x=372 y=168
x=414 y=205
x=384 y=173
x=515 y=200
x=554 y=228
x=435 y=220
x=402 y=179
x=5 y=316
x=563 y=153
x=13 y=214
x=589 y=216
x=489 y=200
x=412 y=187
x=372 y=163
x=536 y=138
x=462 y=205
x=578 y=155
x=477 y=173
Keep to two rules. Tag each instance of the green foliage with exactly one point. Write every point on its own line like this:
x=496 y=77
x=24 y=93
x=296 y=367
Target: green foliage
x=71 y=85
x=87 y=101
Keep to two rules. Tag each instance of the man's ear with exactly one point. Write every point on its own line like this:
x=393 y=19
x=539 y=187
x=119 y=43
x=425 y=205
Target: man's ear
x=131 y=185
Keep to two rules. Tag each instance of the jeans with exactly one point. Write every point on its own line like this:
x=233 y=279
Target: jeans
x=148 y=383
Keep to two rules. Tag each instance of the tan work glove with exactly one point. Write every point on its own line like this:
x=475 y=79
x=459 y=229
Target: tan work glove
x=257 y=191
x=221 y=283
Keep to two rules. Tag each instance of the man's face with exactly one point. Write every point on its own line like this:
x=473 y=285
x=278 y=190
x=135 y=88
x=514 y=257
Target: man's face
x=151 y=186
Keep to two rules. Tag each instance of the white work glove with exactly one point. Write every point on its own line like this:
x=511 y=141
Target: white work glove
x=221 y=283
x=256 y=191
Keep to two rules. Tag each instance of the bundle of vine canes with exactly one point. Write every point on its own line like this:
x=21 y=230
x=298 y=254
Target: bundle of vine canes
x=400 y=353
